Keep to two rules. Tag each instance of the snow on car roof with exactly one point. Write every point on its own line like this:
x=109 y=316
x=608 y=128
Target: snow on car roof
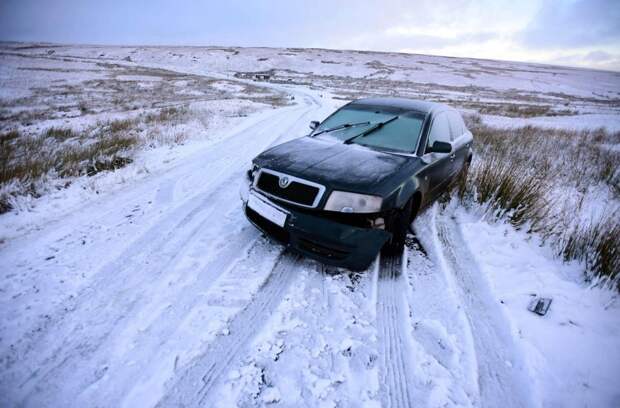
x=403 y=103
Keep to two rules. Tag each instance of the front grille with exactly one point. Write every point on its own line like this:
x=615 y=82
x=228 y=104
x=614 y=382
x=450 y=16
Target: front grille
x=295 y=192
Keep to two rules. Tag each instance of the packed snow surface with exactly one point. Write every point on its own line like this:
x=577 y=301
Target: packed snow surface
x=150 y=288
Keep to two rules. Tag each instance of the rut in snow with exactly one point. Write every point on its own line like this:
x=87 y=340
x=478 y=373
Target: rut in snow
x=154 y=255
x=396 y=372
x=195 y=384
x=502 y=375
x=95 y=318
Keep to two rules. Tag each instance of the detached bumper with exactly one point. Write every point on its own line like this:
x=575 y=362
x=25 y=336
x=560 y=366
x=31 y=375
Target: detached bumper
x=322 y=239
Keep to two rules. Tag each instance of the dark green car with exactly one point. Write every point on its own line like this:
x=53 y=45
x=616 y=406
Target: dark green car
x=354 y=185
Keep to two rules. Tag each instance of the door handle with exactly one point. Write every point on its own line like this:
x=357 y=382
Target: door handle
x=452 y=156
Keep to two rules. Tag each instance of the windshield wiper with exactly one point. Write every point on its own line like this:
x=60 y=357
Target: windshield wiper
x=369 y=131
x=344 y=126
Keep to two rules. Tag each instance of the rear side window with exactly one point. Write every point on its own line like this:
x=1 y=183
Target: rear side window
x=440 y=130
x=457 y=127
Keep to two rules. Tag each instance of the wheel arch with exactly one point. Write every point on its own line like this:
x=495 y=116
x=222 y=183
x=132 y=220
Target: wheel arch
x=412 y=188
x=416 y=199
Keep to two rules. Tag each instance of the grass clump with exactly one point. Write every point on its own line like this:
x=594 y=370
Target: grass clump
x=121 y=125
x=510 y=192
x=168 y=115
x=59 y=134
x=597 y=245
x=539 y=179
x=27 y=160
x=59 y=152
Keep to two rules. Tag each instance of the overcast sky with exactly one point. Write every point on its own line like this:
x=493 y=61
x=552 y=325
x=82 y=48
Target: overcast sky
x=567 y=32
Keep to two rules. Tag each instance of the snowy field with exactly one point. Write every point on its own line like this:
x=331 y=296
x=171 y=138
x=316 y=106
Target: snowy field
x=145 y=286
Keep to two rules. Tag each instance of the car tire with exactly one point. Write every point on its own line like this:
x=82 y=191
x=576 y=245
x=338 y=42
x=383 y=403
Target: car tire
x=398 y=225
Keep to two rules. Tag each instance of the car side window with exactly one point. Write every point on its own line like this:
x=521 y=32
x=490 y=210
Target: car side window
x=457 y=127
x=440 y=130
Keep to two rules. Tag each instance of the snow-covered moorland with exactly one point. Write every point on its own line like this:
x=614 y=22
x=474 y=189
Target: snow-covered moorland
x=130 y=276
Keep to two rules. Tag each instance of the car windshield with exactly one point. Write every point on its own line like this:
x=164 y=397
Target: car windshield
x=400 y=134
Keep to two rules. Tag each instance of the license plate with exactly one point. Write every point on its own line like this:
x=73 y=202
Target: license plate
x=266 y=210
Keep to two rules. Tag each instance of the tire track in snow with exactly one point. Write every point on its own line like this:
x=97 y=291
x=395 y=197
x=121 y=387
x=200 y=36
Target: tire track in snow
x=502 y=375
x=392 y=315
x=149 y=242
x=158 y=249
x=195 y=384
x=105 y=311
x=159 y=330
x=445 y=356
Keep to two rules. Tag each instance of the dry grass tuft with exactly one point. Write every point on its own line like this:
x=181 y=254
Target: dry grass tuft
x=511 y=192
x=58 y=152
x=170 y=114
x=60 y=134
x=525 y=175
x=597 y=245
x=118 y=126
x=25 y=159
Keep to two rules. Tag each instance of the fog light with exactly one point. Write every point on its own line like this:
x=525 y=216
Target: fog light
x=378 y=223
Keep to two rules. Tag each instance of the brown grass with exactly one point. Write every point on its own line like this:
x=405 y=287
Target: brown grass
x=168 y=115
x=597 y=245
x=521 y=174
x=118 y=126
x=59 y=134
x=511 y=192
x=25 y=159
x=62 y=152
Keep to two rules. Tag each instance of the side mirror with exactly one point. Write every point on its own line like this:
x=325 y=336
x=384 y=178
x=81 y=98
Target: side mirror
x=314 y=124
x=440 y=147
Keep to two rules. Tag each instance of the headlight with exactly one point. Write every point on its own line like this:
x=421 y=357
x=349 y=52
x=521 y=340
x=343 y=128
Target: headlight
x=352 y=202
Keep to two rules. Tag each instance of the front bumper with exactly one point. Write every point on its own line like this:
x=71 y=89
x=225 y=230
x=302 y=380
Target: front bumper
x=322 y=239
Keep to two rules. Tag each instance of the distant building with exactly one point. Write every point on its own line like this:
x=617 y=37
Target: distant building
x=262 y=76
x=256 y=76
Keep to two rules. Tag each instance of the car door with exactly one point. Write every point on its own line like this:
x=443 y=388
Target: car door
x=438 y=165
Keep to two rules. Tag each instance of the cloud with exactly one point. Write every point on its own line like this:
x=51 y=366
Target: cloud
x=404 y=36
x=434 y=35
x=598 y=56
x=586 y=30
x=593 y=59
x=580 y=23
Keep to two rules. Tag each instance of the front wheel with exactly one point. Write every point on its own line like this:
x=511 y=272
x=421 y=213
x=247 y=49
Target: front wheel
x=398 y=225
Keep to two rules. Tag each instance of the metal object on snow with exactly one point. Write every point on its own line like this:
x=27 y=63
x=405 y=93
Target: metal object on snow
x=539 y=305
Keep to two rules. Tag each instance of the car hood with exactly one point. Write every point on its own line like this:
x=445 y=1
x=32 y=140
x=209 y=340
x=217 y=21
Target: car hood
x=332 y=163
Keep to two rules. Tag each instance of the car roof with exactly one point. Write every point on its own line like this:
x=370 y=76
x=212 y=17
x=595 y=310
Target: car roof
x=404 y=103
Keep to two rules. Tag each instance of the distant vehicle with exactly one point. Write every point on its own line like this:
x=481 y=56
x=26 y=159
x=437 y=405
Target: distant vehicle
x=356 y=182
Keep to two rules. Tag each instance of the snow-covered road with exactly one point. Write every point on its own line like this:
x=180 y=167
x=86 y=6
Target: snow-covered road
x=125 y=280
x=162 y=294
